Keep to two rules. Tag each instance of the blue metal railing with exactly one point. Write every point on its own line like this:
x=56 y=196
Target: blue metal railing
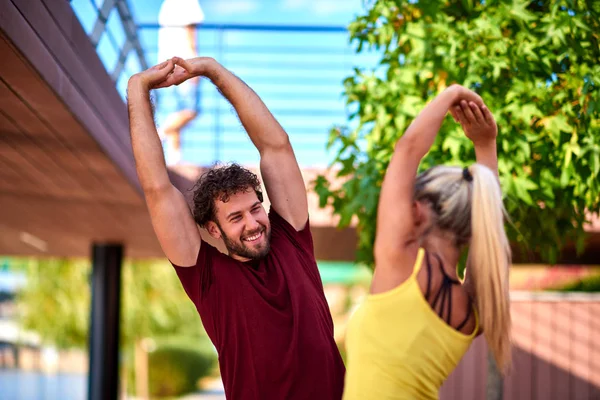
x=298 y=71
x=112 y=30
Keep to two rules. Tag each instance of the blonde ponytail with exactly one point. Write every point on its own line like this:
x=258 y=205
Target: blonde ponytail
x=488 y=263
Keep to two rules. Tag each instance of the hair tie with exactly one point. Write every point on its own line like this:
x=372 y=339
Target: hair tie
x=467 y=175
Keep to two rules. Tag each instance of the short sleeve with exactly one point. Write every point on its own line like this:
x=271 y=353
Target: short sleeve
x=197 y=279
x=302 y=238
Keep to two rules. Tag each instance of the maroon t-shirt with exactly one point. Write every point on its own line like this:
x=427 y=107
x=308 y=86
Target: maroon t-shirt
x=268 y=320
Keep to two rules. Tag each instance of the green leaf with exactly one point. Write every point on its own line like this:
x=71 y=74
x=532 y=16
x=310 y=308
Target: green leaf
x=595 y=163
x=565 y=176
x=521 y=186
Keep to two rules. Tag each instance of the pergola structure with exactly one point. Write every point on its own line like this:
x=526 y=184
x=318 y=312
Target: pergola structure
x=68 y=185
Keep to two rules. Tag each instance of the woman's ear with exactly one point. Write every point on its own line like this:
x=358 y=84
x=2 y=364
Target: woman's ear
x=422 y=214
x=418 y=212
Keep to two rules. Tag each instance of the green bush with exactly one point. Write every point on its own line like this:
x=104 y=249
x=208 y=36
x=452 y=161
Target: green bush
x=175 y=366
x=587 y=284
x=175 y=370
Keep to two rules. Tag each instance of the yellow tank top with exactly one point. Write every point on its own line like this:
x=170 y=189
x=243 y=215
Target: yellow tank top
x=398 y=348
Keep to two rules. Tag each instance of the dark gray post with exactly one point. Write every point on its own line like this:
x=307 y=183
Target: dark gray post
x=495 y=382
x=103 y=380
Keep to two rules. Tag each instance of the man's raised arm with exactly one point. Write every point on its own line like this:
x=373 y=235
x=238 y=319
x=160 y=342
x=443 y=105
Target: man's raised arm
x=171 y=217
x=279 y=168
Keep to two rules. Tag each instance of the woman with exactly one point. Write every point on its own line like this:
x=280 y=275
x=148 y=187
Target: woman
x=419 y=320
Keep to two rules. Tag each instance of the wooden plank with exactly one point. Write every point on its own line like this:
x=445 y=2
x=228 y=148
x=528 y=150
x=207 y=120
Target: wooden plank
x=11 y=242
x=51 y=110
x=69 y=162
x=70 y=26
x=10 y=177
x=32 y=174
x=45 y=163
x=25 y=39
x=108 y=109
x=102 y=175
x=69 y=227
x=46 y=218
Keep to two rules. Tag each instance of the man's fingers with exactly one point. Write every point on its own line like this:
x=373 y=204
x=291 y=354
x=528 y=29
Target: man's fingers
x=459 y=115
x=467 y=112
x=453 y=113
x=477 y=112
x=183 y=63
x=162 y=84
x=162 y=65
x=161 y=71
x=174 y=78
x=180 y=75
x=159 y=66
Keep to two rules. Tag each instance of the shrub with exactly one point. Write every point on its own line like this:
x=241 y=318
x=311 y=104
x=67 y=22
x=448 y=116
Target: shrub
x=586 y=284
x=175 y=370
x=176 y=365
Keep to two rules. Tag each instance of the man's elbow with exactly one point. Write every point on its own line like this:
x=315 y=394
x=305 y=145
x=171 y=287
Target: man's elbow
x=280 y=144
x=156 y=189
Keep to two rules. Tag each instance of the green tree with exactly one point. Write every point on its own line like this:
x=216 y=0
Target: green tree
x=537 y=66
x=55 y=302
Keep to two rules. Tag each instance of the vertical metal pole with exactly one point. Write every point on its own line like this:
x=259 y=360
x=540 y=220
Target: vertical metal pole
x=103 y=380
x=218 y=127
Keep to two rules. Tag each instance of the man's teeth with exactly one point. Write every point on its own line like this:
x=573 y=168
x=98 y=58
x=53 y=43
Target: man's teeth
x=253 y=237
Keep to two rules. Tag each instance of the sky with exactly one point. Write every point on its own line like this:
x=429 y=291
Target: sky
x=299 y=75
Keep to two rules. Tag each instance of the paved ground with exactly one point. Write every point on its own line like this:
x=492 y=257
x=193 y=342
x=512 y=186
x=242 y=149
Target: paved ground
x=213 y=391
x=204 y=396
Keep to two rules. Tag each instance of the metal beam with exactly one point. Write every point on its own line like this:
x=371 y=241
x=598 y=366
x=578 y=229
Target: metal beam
x=121 y=61
x=103 y=14
x=131 y=31
x=103 y=380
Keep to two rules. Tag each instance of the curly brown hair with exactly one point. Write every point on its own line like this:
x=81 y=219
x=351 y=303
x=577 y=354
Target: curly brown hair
x=221 y=182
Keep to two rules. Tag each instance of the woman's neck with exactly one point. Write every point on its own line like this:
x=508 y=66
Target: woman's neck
x=443 y=245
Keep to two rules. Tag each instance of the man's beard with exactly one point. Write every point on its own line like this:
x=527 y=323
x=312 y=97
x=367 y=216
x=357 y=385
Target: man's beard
x=241 y=250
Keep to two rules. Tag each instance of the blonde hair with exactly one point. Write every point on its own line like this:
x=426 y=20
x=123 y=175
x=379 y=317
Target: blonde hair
x=468 y=204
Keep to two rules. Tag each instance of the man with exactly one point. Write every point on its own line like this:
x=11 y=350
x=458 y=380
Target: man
x=263 y=305
x=178 y=21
